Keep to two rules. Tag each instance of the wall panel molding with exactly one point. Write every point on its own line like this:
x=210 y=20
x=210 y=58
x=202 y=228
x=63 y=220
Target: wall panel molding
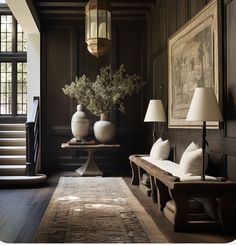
x=65 y=55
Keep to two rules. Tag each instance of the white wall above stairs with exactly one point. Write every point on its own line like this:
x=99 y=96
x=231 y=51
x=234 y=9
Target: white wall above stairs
x=33 y=67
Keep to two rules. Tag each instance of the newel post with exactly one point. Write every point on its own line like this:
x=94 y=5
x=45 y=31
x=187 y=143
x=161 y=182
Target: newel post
x=30 y=165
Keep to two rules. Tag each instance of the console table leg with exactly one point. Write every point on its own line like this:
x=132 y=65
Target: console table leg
x=90 y=167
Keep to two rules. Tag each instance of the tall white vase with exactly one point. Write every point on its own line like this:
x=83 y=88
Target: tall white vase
x=104 y=130
x=80 y=123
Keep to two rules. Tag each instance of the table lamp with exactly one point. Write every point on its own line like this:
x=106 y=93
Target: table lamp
x=155 y=113
x=204 y=107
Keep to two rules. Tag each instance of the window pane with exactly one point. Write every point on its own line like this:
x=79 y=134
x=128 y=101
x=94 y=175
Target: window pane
x=21 y=88
x=3 y=46
x=24 y=108
x=25 y=67
x=25 y=88
x=9 y=19
x=3 y=67
x=19 y=67
x=19 y=98
x=9 y=46
x=9 y=88
x=6 y=33
x=3 y=98
x=9 y=67
x=6 y=88
x=19 y=109
x=3 y=19
x=3 y=37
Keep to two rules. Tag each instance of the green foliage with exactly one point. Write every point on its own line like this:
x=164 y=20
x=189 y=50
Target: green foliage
x=80 y=89
x=107 y=91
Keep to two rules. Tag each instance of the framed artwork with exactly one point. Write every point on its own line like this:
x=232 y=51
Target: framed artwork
x=194 y=61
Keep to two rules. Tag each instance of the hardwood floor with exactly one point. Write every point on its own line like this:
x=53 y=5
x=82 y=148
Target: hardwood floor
x=22 y=210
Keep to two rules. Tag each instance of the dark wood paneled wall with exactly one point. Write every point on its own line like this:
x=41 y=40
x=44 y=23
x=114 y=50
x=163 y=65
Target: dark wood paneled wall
x=65 y=55
x=166 y=18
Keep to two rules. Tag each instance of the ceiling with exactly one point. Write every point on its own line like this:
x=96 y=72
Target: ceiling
x=52 y=9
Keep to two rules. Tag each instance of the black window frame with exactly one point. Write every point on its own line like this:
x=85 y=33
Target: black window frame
x=13 y=57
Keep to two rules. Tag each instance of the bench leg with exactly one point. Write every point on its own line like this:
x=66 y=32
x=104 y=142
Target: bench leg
x=154 y=189
x=140 y=173
x=163 y=195
x=135 y=174
x=225 y=211
x=181 y=216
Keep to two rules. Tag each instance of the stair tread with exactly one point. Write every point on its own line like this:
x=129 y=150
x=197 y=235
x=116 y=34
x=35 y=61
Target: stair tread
x=13 y=124
x=22 y=177
x=12 y=139
x=12 y=147
x=12 y=156
x=12 y=131
x=12 y=167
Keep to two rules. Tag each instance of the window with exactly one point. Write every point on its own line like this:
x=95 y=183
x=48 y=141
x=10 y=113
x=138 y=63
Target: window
x=6 y=33
x=6 y=88
x=21 y=88
x=13 y=68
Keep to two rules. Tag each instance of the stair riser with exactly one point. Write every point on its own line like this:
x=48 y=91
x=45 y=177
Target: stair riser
x=12 y=152
x=14 y=161
x=20 y=172
x=12 y=143
x=10 y=134
x=13 y=127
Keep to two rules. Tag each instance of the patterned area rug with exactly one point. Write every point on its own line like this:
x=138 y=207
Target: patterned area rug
x=96 y=210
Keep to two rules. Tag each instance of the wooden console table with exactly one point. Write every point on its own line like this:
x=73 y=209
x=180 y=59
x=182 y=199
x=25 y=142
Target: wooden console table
x=90 y=167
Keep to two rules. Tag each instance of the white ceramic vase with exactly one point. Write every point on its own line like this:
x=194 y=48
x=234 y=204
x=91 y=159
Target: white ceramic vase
x=104 y=130
x=80 y=123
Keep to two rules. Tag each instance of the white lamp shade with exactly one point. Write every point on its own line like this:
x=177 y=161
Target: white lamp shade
x=204 y=106
x=155 y=112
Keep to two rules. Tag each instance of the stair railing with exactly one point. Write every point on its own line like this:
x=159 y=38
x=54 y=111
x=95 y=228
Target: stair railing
x=32 y=139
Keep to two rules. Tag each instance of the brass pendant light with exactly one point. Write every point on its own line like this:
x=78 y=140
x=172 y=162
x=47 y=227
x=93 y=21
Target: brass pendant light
x=98 y=27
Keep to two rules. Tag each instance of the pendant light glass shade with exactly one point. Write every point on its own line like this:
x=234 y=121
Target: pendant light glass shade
x=98 y=27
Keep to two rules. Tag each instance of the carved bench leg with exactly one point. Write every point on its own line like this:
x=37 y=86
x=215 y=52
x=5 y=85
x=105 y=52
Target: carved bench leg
x=163 y=195
x=181 y=215
x=135 y=174
x=154 y=189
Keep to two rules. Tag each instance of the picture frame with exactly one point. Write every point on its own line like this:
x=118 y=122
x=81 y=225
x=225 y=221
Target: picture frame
x=194 y=60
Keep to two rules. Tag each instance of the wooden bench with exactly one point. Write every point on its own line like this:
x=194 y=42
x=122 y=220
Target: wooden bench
x=168 y=190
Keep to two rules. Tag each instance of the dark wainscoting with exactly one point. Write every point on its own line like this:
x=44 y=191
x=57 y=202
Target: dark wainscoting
x=166 y=18
x=64 y=56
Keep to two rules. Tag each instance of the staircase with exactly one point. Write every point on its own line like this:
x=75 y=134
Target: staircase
x=13 y=155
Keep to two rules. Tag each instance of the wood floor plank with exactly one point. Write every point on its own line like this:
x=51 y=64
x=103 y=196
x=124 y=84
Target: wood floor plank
x=22 y=210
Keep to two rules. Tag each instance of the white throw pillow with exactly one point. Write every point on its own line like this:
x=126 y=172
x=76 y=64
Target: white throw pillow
x=191 y=160
x=160 y=150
